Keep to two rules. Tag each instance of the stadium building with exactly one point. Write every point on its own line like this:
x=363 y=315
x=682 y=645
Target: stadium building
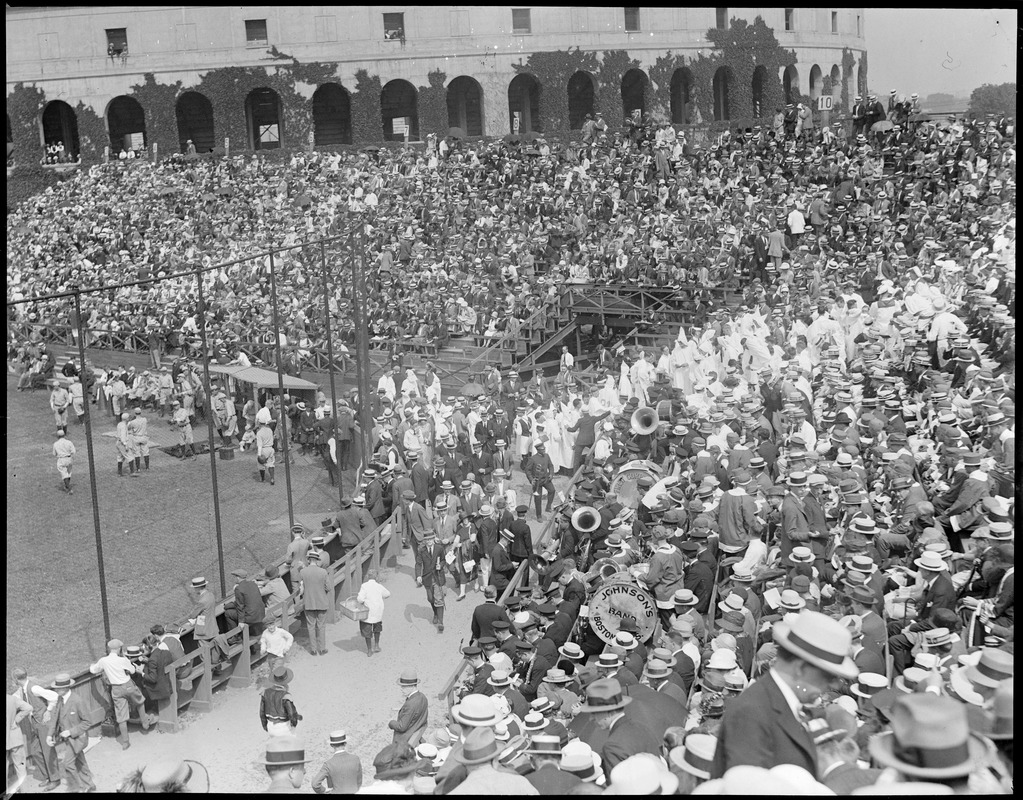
x=264 y=77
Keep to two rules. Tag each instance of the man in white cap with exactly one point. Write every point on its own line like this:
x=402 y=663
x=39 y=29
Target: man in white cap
x=117 y=671
x=764 y=726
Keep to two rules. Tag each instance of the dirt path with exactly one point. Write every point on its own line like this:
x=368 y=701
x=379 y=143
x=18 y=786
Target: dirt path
x=344 y=689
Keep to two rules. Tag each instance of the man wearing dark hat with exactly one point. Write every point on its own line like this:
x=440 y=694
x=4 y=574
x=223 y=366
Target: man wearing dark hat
x=353 y=525
x=764 y=725
x=547 y=776
x=540 y=472
x=342 y=771
x=485 y=614
x=604 y=699
x=317 y=595
x=69 y=734
x=521 y=548
x=285 y=764
x=413 y=715
x=277 y=712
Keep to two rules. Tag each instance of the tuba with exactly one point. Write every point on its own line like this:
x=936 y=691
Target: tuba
x=586 y=519
x=644 y=420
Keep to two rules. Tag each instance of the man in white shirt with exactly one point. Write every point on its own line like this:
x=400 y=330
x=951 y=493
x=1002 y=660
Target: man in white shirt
x=117 y=671
x=388 y=383
x=372 y=595
x=42 y=702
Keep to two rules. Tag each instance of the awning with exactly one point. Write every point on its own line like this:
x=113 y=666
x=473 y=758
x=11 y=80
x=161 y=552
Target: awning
x=261 y=378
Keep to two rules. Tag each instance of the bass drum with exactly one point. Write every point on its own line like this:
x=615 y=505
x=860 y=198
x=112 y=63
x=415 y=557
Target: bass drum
x=624 y=482
x=619 y=599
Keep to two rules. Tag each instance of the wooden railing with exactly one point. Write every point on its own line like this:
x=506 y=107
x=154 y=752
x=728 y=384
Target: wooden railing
x=446 y=693
x=195 y=688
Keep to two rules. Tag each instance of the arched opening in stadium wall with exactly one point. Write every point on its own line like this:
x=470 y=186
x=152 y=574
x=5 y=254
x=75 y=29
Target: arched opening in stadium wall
x=524 y=101
x=722 y=86
x=634 y=92
x=399 y=107
x=332 y=115
x=759 y=87
x=790 y=83
x=195 y=121
x=265 y=123
x=465 y=105
x=681 y=100
x=581 y=91
x=836 y=87
x=816 y=83
x=59 y=124
x=126 y=124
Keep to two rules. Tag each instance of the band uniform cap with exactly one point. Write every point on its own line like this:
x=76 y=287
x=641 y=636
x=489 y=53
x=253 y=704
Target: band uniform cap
x=818 y=640
x=282 y=751
x=929 y=738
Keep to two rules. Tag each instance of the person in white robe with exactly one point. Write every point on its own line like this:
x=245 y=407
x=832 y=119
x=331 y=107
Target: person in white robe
x=624 y=381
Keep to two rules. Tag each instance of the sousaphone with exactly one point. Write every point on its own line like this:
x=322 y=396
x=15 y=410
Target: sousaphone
x=586 y=519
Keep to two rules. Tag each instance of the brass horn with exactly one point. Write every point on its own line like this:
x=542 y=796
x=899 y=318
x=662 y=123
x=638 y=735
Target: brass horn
x=586 y=519
x=644 y=420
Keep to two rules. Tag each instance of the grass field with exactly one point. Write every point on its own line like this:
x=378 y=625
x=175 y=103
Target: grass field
x=157 y=531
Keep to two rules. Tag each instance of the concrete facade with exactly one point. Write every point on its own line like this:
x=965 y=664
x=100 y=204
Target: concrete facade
x=64 y=51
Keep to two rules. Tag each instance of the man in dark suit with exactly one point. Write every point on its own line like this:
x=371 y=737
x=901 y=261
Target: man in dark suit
x=485 y=614
x=420 y=480
x=763 y=726
x=501 y=566
x=414 y=713
x=317 y=593
x=480 y=464
x=586 y=435
x=759 y=253
x=342 y=771
x=604 y=699
x=248 y=604
x=69 y=733
x=699 y=577
x=522 y=540
x=939 y=593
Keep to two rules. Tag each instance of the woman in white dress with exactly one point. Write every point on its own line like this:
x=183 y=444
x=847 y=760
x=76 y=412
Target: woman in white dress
x=624 y=382
x=570 y=413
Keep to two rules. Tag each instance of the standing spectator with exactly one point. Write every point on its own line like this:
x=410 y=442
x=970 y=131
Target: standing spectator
x=277 y=712
x=285 y=764
x=413 y=715
x=372 y=595
x=342 y=772
x=317 y=592
x=205 y=620
x=43 y=702
x=69 y=733
x=17 y=711
x=117 y=671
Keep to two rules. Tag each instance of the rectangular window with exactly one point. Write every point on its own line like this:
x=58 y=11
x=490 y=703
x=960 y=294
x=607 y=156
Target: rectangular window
x=520 y=21
x=834 y=22
x=631 y=18
x=326 y=28
x=117 y=41
x=394 y=26
x=790 y=19
x=255 y=32
x=859 y=26
x=721 y=18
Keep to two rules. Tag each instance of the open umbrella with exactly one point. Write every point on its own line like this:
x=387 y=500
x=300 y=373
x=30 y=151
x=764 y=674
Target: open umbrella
x=883 y=125
x=512 y=138
x=167 y=192
x=472 y=389
x=209 y=196
x=531 y=136
x=456 y=133
x=531 y=151
x=225 y=191
x=370 y=149
x=303 y=201
x=192 y=157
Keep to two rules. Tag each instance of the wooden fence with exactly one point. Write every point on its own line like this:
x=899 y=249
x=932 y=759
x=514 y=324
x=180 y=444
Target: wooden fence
x=193 y=679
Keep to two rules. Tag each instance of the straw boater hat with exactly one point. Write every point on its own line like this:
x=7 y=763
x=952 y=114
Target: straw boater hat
x=929 y=738
x=818 y=640
x=697 y=755
x=284 y=751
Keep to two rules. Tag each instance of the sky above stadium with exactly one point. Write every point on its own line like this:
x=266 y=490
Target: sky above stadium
x=939 y=50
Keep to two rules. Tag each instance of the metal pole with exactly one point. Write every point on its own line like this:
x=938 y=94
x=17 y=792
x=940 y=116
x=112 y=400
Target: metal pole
x=362 y=342
x=330 y=368
x=86 y=402
x=283 y=421
x=209 y=429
